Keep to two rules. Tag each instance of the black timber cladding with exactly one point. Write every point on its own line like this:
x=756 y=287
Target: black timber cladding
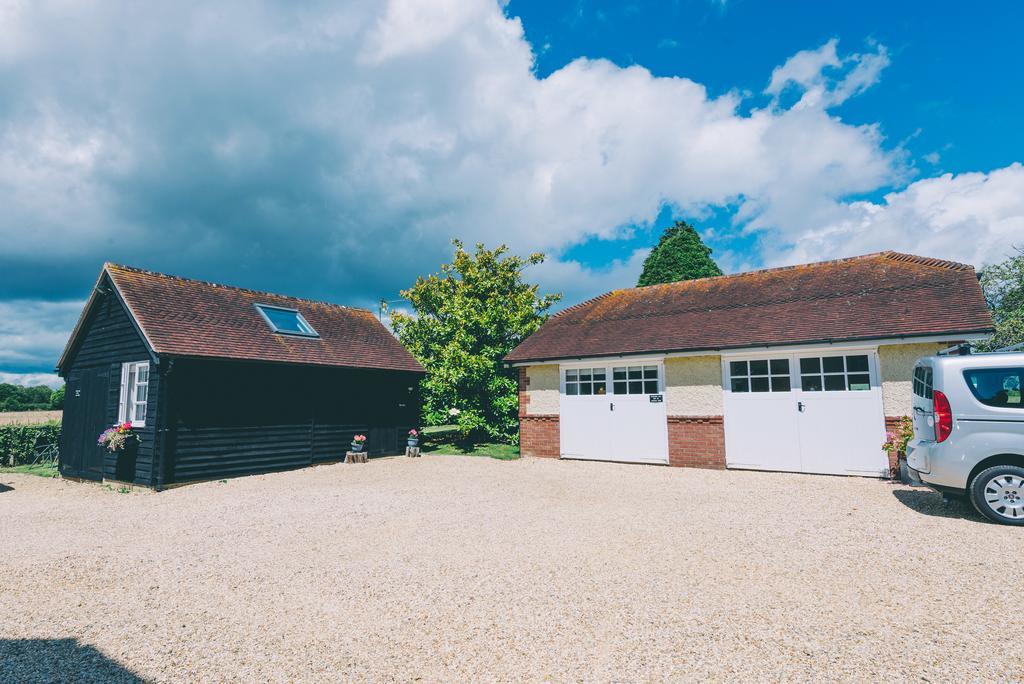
x=235 y=418
x=219 y=418
x=108 y=339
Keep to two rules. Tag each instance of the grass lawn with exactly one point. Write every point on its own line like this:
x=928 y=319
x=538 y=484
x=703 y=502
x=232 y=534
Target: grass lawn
x=43 y=470
x=442 y=439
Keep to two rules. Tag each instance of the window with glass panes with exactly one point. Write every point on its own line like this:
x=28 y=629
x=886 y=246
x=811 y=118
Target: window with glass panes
x=134 y=393
x=585 y=381
x=835 y=373
x=635 y=380
x=760 y=375
x=999 y=387
x=923 y=382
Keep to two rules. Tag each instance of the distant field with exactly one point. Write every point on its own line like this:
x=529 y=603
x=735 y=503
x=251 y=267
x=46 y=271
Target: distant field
x=29 y=417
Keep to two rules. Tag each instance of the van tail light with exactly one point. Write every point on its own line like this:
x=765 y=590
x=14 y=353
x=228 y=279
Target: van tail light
x=943 y=416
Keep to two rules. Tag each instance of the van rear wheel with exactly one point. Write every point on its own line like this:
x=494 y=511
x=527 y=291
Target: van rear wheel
x=998 y=494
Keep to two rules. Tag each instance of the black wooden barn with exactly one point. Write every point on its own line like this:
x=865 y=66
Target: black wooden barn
x=221 y=381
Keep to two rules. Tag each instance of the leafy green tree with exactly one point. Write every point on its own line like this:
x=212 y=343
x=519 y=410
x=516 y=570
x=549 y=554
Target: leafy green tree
x=467 y=318
x=38 y=395
x=57 y=399
x=679 y=255
x=18 y=398
x=8 y=393
x=1003 y=285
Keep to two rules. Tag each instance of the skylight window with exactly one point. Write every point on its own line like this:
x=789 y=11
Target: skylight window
x=286 y=321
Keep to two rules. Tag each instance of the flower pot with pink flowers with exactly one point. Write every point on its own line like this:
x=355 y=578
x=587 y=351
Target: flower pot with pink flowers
x=358 y=442
x=118 y=438
x=122 y=441
x=414 y=438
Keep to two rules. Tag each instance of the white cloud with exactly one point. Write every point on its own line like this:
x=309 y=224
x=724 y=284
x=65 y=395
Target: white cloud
x=34 y=332
x=579 y=283
x=804 y=69
x=31 y=379
x=975 y=218
x=867 y=70
x=241 y=137
x=333 y=151
x=826 y=79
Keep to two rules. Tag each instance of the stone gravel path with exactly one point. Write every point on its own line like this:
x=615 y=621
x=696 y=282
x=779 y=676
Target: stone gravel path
x=458 y=568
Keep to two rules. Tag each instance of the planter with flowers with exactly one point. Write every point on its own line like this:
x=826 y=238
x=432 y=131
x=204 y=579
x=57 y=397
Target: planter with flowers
x=357 y=443
x=123 y=441
x=896 y=445
x=414 y=438
x=118 y=438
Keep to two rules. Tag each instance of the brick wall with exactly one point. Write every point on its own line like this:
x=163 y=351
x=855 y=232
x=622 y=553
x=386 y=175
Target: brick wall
x=539 y=436
x=693 y=441
x=696 y=441
x=538 y=433
x=891 y=425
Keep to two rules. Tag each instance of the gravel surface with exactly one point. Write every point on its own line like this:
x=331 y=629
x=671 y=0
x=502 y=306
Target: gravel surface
x=456 y=568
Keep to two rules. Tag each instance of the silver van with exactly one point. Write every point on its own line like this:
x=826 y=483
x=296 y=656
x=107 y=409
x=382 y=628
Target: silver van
x=969 y=431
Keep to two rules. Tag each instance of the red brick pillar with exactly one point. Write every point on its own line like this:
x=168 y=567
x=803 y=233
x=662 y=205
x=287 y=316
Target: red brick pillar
x=538 y=433
x=696 y=441
x=892 y=424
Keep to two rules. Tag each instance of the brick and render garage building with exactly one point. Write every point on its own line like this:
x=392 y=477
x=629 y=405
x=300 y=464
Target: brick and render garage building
x=793 y=369
x=221 y=381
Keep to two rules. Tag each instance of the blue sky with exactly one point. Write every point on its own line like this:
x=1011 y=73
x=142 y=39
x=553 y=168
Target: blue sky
x=332 y=150
x=952 y=97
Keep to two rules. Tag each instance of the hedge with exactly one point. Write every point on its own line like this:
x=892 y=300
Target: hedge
x=18 y=442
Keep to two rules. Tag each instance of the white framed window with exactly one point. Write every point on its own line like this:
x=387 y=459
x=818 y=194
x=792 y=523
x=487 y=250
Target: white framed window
x=643 y=379
x=286 y=321
x=850 y=373
x=585 y=381
x=759 y=375
x=134 y=393
x=923 y=382
x=635 y=380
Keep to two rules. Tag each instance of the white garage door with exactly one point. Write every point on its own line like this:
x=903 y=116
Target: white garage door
x=614 y=413
x=808 y=412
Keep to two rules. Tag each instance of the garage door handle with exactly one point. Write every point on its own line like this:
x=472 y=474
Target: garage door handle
x=611 y=407
x=800 y=406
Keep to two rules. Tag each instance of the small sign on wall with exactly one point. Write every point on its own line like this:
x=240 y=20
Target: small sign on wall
x=656 y=399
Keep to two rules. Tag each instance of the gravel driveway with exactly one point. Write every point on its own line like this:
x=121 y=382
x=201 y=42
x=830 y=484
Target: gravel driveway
x=448 y=568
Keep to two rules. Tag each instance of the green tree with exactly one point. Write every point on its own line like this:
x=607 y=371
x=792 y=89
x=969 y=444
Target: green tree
x=679 y=255
x=1003 y=285
x=18 y=398
x=57 y=399
x=8 y=396
x=467 y=318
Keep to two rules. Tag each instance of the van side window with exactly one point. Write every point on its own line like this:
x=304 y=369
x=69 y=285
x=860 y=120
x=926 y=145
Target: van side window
x=923 y=382
x=998 y=387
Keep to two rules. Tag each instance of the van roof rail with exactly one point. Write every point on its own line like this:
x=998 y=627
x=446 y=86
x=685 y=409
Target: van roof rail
x=960 y=349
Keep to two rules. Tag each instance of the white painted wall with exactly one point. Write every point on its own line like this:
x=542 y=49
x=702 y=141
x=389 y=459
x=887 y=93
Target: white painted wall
x=896 y=363
x=542 y=390
x=693 y=386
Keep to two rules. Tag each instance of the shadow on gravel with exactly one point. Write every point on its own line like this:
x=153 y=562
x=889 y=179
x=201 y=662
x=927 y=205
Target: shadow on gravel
x=58 y=660
x=932 y=503
x=5 y=488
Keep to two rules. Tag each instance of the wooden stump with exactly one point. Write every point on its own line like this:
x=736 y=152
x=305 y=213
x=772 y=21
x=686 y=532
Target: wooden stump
x=412 y=452
x=355 y=457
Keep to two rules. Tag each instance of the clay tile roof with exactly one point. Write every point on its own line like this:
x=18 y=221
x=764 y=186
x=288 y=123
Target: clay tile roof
x=183 y=317
x=875 y=296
